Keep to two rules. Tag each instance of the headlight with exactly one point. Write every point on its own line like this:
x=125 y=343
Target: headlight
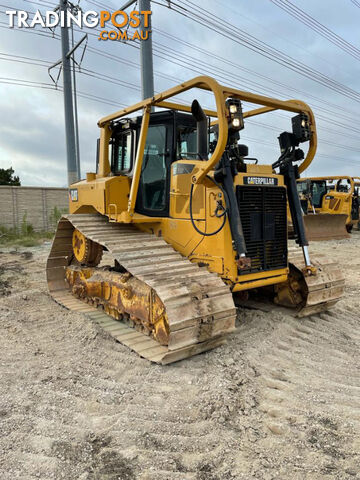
x=236 y=119
x=301 y=127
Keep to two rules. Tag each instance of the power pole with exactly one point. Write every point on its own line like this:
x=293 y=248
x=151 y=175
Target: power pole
x=146 y=55
x=73 y=166
x=76 y=117
x=146 y=51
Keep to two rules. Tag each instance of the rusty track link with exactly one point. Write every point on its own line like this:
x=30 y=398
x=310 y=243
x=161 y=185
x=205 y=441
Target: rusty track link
x=199 y=306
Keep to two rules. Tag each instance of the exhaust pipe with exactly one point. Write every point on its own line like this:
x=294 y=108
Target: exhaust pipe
x=202 y=129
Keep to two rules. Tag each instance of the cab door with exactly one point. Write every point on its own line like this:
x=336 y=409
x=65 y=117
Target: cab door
x=154 y=186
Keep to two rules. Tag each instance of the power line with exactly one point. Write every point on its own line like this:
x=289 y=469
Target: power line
x=84 y=71
x=96 y=98
x=98 y=4
x=166 y=53
x=336 y=106
x=175 y=59
x=160 y=54
x=190 y=65
x=170 y=58
x=276 y=129
x=322 y=155
x=50 y=86
x=275 y=33
x=234 y=33
x=116 y=81
x=245 y=70
x=317 y=27
x=42 y=4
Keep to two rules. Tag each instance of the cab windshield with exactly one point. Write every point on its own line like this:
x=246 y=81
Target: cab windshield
x=318 y=190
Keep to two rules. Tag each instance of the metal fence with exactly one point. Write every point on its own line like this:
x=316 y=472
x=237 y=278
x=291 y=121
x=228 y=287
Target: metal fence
x=35 y=205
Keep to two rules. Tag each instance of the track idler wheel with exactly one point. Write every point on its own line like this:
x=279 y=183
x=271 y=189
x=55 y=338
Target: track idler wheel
x=293 y=292
x=85 y=250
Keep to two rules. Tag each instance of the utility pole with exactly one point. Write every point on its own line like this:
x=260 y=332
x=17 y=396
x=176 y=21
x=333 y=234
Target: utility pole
x=146 y=55
x=146 y=51
x=72 y=165
x=76 y=118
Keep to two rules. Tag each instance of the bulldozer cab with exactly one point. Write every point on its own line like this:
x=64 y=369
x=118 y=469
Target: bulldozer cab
x=171 y=136
x=326 y=193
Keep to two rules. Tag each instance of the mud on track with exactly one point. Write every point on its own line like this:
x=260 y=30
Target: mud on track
x=280 y=401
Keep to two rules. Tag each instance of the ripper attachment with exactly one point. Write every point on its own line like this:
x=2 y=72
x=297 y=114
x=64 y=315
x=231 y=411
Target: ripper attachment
x=286 y=164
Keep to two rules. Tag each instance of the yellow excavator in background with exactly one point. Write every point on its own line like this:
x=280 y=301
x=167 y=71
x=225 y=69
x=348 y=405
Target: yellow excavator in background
x=185 y=223
x=330 y=204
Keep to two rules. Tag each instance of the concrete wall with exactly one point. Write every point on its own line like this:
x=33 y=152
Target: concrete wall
x=36 y=202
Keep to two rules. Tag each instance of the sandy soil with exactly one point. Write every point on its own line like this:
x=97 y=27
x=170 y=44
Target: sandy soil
x=280 y=401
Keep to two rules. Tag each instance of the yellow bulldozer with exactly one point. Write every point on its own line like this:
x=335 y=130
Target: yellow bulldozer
x=330 y=205
x=185 y=222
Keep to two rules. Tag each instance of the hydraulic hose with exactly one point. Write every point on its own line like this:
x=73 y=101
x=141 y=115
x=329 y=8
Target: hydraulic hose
x=224 y=214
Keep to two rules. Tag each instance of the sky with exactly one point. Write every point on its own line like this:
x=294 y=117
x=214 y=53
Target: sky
x=32 y=130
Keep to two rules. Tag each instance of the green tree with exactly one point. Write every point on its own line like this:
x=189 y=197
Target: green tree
x=7 y=177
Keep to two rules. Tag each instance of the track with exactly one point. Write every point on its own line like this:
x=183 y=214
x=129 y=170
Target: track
x=325 y=288
x=199 y=306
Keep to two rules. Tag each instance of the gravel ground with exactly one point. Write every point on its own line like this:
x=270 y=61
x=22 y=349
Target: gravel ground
x=281 y=400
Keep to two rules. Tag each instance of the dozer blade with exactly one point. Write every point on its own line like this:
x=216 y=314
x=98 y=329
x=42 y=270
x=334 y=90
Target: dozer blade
x=161 y=305
x=325 y=226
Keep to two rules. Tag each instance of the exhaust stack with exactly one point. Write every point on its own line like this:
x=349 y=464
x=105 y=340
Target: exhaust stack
x=202 y=129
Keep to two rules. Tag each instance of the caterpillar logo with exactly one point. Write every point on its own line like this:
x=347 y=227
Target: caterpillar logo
x=260 y=181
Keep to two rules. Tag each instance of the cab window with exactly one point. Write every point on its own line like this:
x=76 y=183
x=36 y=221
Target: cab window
x=318 y=190
x=302 y=188
x=152 y=192
x=121 y=155
x=343 y=185
x=186 y=143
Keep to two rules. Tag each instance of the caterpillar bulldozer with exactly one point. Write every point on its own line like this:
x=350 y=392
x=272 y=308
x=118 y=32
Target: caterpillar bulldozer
x=330 y=205
x=185 y=223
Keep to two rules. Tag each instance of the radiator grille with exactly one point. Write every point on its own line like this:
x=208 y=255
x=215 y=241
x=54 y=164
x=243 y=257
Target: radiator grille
x=264 y=220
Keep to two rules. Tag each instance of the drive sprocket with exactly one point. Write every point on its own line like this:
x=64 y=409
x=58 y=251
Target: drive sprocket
x=85 y=250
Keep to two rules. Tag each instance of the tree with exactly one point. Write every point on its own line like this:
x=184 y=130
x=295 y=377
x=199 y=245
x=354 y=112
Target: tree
x=7 y=177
